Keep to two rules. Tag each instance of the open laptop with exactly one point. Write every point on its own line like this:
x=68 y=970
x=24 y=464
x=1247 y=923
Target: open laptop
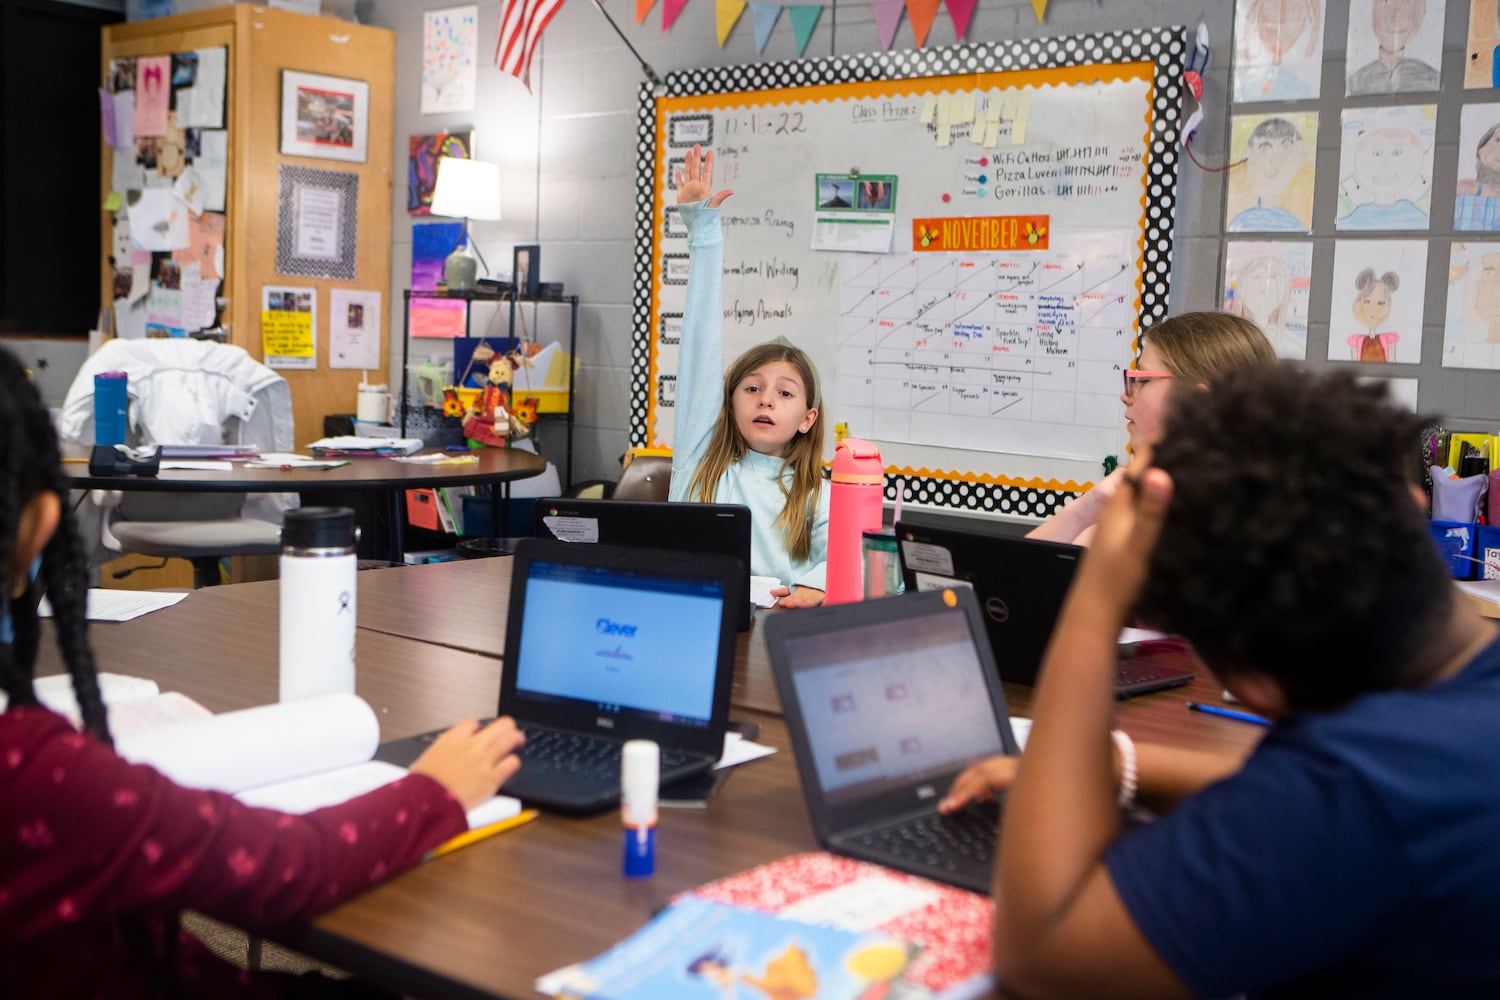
x=605 y=644
x=683 y=527
x=1020 y=583
x=886 y=703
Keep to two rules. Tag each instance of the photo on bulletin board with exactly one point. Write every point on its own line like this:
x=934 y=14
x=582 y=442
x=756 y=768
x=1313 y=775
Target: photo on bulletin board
x=423 y=154
x=1378 y=294
x=1385 y=167
x=1476 y=206
x=1271 y=180
x=1278 y=52
x=317 y=222
x=1269 y=283
x=1471 y=329
x=1481 y=65
x=288 y=327
x=324 y=116
x=1394 y=47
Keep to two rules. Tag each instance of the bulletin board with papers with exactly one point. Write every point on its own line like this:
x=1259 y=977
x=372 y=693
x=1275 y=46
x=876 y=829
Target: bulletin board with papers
x=164 y=127
x=966 y=241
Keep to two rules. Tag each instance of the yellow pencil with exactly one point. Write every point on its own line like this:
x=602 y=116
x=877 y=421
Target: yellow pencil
x=483 y=832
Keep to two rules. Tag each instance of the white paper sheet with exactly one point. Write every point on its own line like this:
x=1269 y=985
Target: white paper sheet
x=120 y=606
x=159 y=220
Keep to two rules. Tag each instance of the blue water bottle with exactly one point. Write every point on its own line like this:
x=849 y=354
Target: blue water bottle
x=111 y=402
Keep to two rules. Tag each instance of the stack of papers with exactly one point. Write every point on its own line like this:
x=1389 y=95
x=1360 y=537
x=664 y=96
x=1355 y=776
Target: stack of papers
x=351 y=445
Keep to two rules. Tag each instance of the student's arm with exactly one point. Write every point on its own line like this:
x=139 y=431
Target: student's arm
x=1166 y=775
x=700 y=358
x=1072 y=524
x=1060 y=925
x=99 y=834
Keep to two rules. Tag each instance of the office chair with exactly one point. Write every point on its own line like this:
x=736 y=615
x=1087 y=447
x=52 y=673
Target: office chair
x=647 y=475
x=180 y=391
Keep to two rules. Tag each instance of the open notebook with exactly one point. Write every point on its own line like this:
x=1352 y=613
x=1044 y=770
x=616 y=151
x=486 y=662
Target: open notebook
x=294 y=756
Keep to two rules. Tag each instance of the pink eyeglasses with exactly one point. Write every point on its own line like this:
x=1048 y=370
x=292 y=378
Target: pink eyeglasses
x=1134 y=377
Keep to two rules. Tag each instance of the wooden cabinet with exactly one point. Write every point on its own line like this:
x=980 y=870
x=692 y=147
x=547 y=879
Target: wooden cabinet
x=261 y=43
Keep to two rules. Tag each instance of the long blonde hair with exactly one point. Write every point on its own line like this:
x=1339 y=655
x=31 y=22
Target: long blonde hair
x=1201 y=347
x=804 y=454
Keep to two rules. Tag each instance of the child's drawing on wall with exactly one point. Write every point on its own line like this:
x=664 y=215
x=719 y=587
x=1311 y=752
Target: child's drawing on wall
x=1380 y=285
x=1268 y=284
x=1386 y=167
x=1484 y=40
x=1271 y=190
x=1471 y=331
x=1278 y=52
x=1477 y=202
x=1394 y=46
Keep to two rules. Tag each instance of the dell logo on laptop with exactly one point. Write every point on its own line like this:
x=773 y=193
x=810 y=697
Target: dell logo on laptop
x=996 y=609
x=925 y=791
x=604 y=722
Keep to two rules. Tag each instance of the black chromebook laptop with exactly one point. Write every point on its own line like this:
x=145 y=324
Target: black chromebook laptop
x=1020 y=583
x=886 y=703
x=683 y=527
x=604 y=644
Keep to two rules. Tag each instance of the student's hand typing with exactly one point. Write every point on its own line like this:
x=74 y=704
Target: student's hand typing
x=980 y=781
x=472 y=762
x=695 y=180
x=802 y=597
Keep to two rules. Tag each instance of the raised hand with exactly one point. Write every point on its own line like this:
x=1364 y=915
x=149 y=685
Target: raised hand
x=695 y=179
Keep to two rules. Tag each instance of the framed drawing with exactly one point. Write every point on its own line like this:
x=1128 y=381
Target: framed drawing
x=324 y=116
x=526 y=270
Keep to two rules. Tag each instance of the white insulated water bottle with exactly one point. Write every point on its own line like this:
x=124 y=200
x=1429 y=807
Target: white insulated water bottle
x=318 y=565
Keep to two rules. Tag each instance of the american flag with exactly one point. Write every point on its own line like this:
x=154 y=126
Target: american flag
x=521 y=25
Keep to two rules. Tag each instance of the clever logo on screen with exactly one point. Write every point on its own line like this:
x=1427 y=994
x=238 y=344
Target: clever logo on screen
x=606 y=627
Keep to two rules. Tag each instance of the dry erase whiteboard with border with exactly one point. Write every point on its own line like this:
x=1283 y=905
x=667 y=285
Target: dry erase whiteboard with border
x=967 y=241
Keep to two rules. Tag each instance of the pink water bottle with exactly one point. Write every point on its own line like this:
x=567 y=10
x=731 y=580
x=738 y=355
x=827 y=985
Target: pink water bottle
x=854 y=507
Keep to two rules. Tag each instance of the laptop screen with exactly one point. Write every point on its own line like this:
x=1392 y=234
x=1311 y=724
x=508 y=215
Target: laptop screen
x=620 y=642
x=892 y=703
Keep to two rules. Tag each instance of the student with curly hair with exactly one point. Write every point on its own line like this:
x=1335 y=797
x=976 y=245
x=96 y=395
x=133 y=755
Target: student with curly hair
x=1353 y=854
x=1198 y=348
x=99 y=856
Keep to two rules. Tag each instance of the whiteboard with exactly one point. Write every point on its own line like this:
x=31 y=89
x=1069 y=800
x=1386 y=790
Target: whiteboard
x=967 y=242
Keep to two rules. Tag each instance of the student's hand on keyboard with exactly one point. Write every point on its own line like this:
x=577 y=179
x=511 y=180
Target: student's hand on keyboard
x=980 y=781
x=472 y=762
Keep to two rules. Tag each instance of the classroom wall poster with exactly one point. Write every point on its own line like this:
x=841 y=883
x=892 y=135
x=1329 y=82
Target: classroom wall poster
x=1378 y=294
x=1476 y=205
x=1471 y=329
x=353 y=329
x=450 y=47
x=1385 y=167
x=1480 y=62
x=1394 y=47
x=1271 y=182
x=1278 y=51
x=288 y=333
x=431 y=243
x=422 y=163
x=1269 y=283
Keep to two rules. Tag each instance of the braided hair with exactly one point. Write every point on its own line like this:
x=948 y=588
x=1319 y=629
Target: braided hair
x=30 y=465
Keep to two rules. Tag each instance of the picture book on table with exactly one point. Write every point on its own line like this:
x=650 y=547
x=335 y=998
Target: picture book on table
x=700 y=948
x=856 y=926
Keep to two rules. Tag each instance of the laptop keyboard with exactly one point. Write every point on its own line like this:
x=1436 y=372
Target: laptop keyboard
x=579 y=753
x=947 y=842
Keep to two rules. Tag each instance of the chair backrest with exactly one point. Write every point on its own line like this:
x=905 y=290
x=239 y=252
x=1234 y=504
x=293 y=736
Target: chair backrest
x=647 y=477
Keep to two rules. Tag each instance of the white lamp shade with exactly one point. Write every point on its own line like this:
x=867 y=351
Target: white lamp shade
x=466 y=189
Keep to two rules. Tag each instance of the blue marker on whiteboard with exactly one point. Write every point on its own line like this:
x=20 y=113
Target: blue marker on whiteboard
x=640 y=776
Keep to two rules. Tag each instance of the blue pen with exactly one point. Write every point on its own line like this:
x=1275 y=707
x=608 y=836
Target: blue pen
x=1229 y=713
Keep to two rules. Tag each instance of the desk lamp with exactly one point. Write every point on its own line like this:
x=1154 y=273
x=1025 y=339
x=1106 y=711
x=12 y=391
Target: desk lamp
x=466 y=189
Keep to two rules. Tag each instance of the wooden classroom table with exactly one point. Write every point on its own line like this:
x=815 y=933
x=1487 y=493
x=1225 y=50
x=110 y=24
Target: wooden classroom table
x=488 y=920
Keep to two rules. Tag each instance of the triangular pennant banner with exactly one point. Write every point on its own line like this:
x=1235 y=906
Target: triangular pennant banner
x=1040 y=6
x=887 y=17
x=669 y=11
x=804 y=19
x=643 y=7
x=765 y=15
x=921 y=13
x=960 y=11
x=726 y=12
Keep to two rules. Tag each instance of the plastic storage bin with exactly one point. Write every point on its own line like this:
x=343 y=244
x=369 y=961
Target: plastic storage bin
x=1455 y=539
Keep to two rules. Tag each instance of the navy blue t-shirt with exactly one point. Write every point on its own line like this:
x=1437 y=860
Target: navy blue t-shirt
x=1357 y=853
